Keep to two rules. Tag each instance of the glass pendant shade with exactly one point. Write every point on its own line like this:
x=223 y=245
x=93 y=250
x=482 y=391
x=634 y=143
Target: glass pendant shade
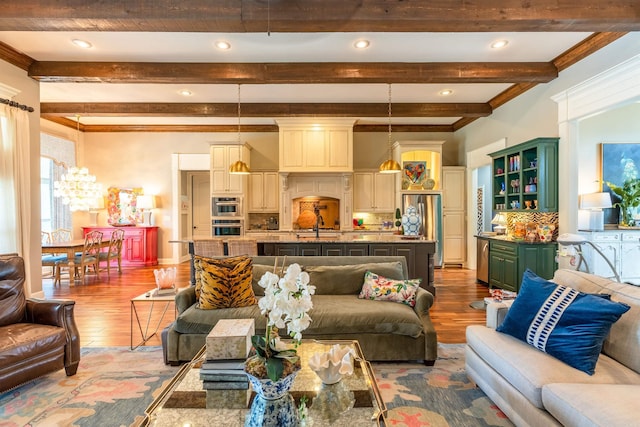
x=239 y=168
x=78 y=189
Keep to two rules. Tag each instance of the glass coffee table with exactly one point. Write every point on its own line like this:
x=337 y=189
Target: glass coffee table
x=184 y=402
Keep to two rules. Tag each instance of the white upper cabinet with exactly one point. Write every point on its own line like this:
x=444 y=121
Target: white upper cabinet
x=373 y=192
x=263 y=192
x=321 y=146
x=453 y=194
x=222 y=156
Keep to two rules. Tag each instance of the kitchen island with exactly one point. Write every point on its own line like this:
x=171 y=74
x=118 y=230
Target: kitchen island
x=418 y=252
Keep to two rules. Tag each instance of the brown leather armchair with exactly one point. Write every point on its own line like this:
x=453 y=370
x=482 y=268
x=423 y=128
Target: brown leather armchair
x=36 y=336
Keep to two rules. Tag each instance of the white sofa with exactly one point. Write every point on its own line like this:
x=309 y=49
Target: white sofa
x=534 y=389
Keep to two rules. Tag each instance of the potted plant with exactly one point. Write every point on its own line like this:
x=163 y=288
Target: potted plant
x=286 y=301
x=398 y=221
x=629 y=195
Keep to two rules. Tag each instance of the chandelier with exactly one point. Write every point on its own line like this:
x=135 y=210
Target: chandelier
x=77 y=187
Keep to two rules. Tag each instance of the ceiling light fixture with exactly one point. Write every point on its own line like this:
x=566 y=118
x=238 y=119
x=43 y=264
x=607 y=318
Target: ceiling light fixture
x=82 y=43
x=361 y=44
x=185 y=92
x=390 y=165
x=445 y=92
x=239 y=167
x=77 y=187
x=223 y=45
x=499 y=44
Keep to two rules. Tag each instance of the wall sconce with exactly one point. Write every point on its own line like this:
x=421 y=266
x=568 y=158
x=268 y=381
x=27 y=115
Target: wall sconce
x=146 y=203
x=500 y=222
x=595 y=202
x=94 y=209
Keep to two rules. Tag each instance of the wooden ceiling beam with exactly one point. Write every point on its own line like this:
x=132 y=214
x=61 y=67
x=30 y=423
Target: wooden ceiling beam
x=320 y=16
x=293 y=73
x=158 y=109
x=231 y=128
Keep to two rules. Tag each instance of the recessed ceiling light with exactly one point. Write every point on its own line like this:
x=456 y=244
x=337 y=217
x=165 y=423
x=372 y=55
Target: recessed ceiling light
x=82 y=43
x=185 y=92
x=224 y=45
x=361 y=44
x=499 y=44
x=445 y=92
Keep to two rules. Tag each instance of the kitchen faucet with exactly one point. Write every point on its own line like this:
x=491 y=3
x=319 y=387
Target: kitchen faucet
x=319 y=219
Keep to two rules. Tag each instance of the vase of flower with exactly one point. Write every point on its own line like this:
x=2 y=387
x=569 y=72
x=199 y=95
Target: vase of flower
x=273 y=413
x=272 y=367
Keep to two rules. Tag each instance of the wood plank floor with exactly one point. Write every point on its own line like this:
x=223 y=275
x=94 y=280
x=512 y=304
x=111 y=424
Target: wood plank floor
x=103 y=305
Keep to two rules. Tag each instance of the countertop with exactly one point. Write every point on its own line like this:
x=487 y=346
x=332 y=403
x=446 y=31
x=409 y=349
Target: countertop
x=325 y=237
x=510 y=239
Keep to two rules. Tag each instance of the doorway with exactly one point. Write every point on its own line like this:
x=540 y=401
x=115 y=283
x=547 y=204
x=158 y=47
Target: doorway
x=199 y=194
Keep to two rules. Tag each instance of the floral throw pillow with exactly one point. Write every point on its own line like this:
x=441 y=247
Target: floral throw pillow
x=380 y=288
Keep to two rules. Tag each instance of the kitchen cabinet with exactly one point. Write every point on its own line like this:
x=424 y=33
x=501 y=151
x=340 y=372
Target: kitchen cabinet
x=454 y=215
x=525 y=176
x=622 y=248
x=318 y=146
x=139 y=247
x=263 y=192
x=373 y=192
x=223 y=156
x=508 y=261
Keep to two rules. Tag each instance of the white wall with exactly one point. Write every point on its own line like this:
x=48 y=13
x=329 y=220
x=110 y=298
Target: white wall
x=535 y=114
x=29 y=95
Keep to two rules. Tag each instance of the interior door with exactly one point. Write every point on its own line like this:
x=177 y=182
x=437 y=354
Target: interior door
x=201 y=204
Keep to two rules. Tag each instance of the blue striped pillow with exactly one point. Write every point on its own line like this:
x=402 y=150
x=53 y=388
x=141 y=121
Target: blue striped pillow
x=561 y=321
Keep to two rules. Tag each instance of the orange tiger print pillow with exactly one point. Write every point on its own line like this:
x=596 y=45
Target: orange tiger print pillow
x=223 y=282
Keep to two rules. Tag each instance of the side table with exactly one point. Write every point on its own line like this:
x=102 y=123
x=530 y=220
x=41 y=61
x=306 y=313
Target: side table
x=149 y=297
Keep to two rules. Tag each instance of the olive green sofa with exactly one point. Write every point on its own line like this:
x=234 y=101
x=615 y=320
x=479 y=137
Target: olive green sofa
x=386 y=331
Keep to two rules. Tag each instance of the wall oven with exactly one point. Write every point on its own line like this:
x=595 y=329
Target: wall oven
x=226 y=206
x=227 y=227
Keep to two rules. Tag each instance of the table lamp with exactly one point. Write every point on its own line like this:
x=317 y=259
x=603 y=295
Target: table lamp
x=595 y=202
x=500 y=221
x=145 y=203
x=94 y=210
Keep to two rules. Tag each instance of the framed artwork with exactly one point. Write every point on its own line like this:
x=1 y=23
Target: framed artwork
x=414 y=174
x=121 y=206
x=619 y=162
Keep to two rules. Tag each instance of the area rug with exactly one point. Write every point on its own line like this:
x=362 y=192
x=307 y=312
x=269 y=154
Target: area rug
x=435 y=396
x=113 y=387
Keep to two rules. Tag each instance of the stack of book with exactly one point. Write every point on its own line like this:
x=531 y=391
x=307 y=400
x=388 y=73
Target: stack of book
x=224 y=374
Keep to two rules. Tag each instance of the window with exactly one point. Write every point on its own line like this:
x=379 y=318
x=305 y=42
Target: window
x=57 y=155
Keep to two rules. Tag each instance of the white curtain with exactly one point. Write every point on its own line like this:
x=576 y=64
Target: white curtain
x=15 y=188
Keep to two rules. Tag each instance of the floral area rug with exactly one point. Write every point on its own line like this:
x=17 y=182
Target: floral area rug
x=113 y=387
x=435 y=396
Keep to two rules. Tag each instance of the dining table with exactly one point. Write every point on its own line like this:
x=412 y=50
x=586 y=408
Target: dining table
x=69 y=248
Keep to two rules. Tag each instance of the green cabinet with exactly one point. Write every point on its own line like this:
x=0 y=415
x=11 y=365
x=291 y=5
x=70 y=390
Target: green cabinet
x=508 y=261
x=525 y=176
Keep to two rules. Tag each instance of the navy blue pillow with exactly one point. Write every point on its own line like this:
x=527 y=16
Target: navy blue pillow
x=561 y=321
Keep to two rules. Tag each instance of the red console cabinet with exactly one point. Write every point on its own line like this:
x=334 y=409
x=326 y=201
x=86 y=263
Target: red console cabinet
x=140 y=245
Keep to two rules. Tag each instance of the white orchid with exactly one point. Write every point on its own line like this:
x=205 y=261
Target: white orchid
x=285 y=303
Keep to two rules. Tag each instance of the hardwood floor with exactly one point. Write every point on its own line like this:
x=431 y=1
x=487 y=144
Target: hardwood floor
x=103 y=305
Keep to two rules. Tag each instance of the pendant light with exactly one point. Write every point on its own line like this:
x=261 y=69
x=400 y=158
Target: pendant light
x=239 y=167
x=390 y=165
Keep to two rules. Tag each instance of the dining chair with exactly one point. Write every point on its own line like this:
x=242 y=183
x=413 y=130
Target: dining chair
x=88 y=257
x=236 y=247
x=114 y=251
x=60 y=235
x=50 y=260
x=210 y=248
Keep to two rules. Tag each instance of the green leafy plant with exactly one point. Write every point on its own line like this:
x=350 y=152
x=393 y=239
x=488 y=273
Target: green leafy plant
x=629 y=194
x=398 y=218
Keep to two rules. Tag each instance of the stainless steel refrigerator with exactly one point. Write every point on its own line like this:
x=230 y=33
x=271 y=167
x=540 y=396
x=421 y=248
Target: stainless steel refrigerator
x=429 y=207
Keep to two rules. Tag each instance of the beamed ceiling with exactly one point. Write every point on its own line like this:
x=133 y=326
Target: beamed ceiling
x=295 y=58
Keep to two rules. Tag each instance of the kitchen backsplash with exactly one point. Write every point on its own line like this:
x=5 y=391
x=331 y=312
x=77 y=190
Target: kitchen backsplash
x=260 y=221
